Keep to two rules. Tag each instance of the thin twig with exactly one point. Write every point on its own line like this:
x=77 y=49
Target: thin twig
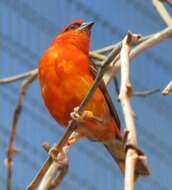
x=167 y=89
x=18 y=77
x=16 y=115
x=124 y=96
x=146 y=92
x=109 y=48
x=97 y=56
x=162 y=12
x=72 y=124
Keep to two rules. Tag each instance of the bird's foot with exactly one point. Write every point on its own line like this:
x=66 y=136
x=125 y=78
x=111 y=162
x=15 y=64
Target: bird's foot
x=86 y=115
x=80 y=118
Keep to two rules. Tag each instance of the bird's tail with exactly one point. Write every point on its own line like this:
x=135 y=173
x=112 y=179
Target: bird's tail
x=117 y=151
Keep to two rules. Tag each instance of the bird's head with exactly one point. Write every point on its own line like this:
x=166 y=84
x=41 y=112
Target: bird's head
x=79 y=25
x=77 y=33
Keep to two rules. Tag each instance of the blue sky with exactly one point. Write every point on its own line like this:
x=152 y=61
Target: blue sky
x=26 y=30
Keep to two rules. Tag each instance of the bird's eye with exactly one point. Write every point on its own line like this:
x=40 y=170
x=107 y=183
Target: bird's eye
x=72 y=26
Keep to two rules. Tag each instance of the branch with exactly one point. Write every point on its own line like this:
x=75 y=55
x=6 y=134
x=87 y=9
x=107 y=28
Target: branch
x=108 y=48
x=97 y=56
x=72 y=124
x=146 y=92
x=56 y=172
x=152 y=41
x=19 y=77
x=162 y=12
x=124 y=96
x=167 y=89
x=16 y=115
x=118 y=45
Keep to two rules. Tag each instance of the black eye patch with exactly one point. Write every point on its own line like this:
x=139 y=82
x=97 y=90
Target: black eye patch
x=72 y=26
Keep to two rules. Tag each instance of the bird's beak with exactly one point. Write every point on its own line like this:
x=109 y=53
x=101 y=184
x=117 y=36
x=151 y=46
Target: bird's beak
x=86 y=26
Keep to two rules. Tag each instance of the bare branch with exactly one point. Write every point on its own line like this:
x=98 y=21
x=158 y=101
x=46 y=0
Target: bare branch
x=97 y=56
x=167 y=89
x=109 y=48
x=152 y=41
x=16 y=116
x=19 y=77
x=124 y=96
x=56 y=172
x=162 y=12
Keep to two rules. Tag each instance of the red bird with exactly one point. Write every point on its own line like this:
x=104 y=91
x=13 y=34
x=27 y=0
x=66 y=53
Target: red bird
x=65 y=79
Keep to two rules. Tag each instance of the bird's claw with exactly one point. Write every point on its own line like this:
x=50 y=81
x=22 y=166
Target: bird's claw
x=86 y=115
x=80 y=118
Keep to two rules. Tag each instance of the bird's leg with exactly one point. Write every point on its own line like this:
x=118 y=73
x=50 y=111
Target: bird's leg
x=86 y=115
x=127 y=146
